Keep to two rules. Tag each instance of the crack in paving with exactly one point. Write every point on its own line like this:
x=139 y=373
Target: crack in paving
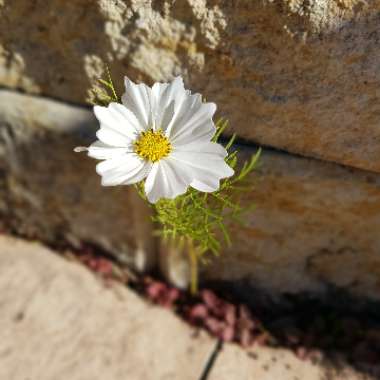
x=211 y=360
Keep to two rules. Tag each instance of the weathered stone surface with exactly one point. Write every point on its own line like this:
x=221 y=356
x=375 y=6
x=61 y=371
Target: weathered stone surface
x=269 y=364
x=58 y=322
x=294 y=74
x=316 y=224
x=50 y=192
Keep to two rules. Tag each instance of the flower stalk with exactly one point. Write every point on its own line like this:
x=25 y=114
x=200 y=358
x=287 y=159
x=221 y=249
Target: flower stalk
x=193 y=257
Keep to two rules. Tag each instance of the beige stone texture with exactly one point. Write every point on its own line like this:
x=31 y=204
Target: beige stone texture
x=303 y=76
x=316 y=224
x=51 y=193
x=59 y=322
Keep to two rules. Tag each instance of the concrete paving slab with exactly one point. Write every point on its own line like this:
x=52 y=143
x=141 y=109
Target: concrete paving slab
x=58 y=321
x=264 y=363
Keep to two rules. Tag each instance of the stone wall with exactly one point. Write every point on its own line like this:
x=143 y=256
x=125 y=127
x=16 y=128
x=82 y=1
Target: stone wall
x=300 y=77
x=316 y=223
x=303 y=76
x=49 y=192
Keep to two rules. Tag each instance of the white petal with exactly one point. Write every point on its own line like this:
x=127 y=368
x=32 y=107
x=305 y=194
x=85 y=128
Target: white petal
x=166 y=180
x=193 y=120
x=79 y=149
x=167 y=97
x=208 y=163
x=166 y=117
x=207 y=168
x=164 y=93
x=110 y=137
x=138 y=99
x=123 y=170
x=103 y=151
x=209 y=185
x=119 y=119
x=184 y=108
x=200 y=146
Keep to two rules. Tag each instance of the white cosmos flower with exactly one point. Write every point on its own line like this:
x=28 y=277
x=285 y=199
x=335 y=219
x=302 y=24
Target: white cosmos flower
x=161 y=134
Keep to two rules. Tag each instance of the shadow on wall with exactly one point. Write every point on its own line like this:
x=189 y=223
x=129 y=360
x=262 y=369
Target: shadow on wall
x=50 y=193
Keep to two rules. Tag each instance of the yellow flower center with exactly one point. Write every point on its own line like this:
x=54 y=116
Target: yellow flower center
x=152 y=145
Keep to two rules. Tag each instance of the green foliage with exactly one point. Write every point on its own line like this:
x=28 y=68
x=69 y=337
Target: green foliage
x=201 y=217
x=103 y=92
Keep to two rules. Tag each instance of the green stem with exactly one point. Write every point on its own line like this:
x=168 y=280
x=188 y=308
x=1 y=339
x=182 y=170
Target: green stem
x=193 y=268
